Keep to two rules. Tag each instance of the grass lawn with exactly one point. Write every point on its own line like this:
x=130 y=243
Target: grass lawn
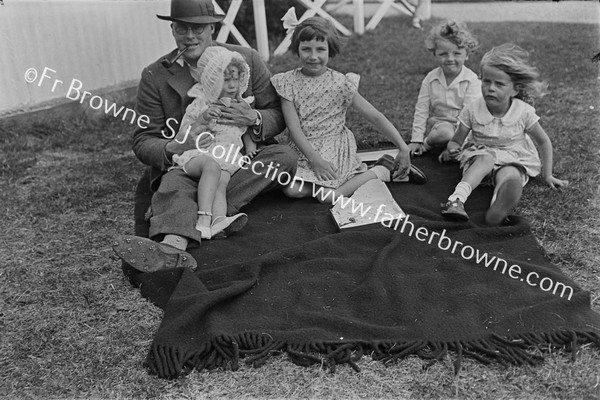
x=72 y=327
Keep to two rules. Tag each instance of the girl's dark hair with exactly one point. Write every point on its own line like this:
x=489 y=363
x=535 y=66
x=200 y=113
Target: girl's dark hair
x=320 y=29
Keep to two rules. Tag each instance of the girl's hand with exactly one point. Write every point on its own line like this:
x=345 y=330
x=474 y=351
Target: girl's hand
x=450 y=154
x=323 y=169
x=416 y=149
x=212 y=112
x=555 y=182
x=402 y=162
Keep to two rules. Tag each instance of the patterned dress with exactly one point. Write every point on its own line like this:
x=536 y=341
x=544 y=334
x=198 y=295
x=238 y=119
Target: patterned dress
x=321 y=103
x=504 y=138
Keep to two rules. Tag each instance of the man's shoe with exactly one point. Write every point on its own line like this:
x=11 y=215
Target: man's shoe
x=225 y=226
x=146 y=255
x=454 y=210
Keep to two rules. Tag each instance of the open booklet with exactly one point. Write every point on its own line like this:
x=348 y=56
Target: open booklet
x=372 y=203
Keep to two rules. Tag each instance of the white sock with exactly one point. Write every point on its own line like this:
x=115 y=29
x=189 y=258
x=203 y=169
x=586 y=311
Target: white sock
x=461 y=192
x=179 y=242
x=427 y=146
x=382 y=173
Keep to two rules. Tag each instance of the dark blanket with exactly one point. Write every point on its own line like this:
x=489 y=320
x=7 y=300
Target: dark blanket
x=289 y=282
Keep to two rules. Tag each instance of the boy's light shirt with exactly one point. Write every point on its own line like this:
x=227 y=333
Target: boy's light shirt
x=443 y=101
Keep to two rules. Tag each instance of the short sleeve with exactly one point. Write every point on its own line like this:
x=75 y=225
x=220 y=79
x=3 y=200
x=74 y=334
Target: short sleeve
x=283 y=85
x=352 y=81
x=530 y=117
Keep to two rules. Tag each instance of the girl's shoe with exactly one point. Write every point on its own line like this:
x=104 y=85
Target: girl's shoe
x=415 y=175
x=205 y=231
x=455 y=210
x=416 y=23
x=223 y=226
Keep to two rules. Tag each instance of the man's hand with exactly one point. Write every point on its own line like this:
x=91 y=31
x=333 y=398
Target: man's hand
x=251 y=149
x=239 y=113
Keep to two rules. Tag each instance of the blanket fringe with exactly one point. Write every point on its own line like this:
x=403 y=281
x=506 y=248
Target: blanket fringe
x=225 y=351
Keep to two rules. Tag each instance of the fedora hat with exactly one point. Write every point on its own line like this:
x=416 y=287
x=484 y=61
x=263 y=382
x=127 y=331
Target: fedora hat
x=193 y=12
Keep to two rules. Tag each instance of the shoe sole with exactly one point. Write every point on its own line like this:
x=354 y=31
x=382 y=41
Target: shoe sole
x=146 y=255
x=455 y=216
x=507 y=198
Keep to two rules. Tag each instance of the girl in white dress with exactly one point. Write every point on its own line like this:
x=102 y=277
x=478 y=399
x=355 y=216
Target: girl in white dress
x=502 y=125
x=314 y=101
x=222 y=77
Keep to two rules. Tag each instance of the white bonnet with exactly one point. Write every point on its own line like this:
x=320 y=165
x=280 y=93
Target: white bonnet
x=211 y=68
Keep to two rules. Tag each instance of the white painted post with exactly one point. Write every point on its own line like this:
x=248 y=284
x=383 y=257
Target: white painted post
x=359 y=17
x=260 y=24
x=379 y=14
x=227 y=24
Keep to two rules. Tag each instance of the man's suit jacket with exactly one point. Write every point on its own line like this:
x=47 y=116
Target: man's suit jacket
x=162 y=96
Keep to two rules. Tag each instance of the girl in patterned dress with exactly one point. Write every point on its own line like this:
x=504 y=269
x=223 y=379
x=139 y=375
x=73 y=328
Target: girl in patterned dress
x=502 y=125
x=314 y=101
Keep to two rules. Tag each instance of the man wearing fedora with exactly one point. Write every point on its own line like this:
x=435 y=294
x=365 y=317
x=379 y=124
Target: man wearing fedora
x=162 y=96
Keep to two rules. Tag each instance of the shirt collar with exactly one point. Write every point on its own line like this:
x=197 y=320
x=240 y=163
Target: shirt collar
x=439 y=75
x=484 y=116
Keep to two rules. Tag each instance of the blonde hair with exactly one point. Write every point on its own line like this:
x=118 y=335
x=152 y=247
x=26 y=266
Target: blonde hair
x=453 y=31
x=514 y=61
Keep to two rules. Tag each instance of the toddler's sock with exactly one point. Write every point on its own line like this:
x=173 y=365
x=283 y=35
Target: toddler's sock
x=426 y=145
x=382 y=173
x=461 y=192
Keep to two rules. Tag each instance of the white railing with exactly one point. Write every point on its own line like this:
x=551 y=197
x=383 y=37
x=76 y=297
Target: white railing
x=103 y=44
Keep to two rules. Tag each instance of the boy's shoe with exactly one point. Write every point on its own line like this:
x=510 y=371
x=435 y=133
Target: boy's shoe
x=416 y=23
x=227 y=225
x=415 y=175
x=454 y=210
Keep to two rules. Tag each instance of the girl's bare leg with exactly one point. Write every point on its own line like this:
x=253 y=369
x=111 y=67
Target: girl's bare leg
x=507 y=193
x=219 y=207
x=208 y=173
x=479 y=169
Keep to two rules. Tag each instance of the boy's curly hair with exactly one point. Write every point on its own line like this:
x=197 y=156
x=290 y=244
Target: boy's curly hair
x=455 y=32
x=514 y=61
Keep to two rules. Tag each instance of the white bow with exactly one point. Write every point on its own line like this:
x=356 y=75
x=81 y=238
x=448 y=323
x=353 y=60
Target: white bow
x=290 y=21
